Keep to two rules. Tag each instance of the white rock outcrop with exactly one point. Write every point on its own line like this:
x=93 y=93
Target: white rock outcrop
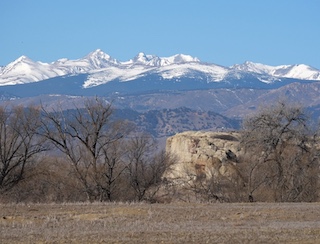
x=204 y=154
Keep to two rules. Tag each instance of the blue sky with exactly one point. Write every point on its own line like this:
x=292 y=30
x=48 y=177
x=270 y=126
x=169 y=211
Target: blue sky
x=224 y=32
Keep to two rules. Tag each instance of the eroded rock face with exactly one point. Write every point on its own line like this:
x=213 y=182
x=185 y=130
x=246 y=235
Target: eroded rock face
x=204 y=155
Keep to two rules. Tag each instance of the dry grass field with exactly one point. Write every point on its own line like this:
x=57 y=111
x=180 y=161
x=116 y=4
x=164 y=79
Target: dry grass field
x=161 y=223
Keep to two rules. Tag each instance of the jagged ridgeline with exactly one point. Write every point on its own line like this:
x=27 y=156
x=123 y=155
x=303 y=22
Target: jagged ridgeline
x=143 y=73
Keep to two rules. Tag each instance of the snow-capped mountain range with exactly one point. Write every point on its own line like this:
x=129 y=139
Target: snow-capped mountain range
x=100 y=68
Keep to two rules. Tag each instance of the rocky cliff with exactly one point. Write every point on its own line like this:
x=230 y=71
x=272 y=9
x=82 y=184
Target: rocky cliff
x=201 y=155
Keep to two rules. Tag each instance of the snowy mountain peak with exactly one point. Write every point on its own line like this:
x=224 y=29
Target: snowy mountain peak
x=98 y=54
x=21 y=64
x=100 y=59
x=182 y=58
x=153 y=60
x=298 y=71
x=142 y=55
x=149 y=60
x=22 y=58
x=253 y=67
x=101 y=68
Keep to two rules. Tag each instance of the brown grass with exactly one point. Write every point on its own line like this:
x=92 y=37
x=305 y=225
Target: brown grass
x=160 y=223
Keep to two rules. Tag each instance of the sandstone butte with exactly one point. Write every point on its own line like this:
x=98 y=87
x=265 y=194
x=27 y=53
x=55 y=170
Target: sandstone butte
x=204 y=154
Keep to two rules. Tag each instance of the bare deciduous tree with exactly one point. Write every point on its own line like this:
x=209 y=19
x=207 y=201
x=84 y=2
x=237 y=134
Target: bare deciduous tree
x=19 y=143
x=145 y=166
x=280 y=149
x=85 y=137
x=113 y=167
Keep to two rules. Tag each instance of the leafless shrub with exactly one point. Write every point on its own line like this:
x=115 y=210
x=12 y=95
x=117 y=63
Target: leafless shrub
x=49 y=179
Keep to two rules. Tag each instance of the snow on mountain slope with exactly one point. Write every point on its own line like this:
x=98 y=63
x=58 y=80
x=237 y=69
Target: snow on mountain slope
x=93 y=61
x=101 y=68
x=98 y=59
x=253 y=67
x=155 y=61
x=24 y=70
x=300 y=71
x=213 y=73
x=111 y=73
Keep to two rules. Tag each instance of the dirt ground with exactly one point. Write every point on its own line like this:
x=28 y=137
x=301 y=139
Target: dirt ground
x=160 y=223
